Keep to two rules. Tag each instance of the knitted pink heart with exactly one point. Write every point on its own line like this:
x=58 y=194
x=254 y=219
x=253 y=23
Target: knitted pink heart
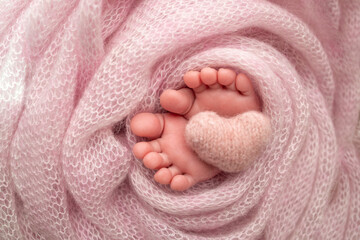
x=231 y=144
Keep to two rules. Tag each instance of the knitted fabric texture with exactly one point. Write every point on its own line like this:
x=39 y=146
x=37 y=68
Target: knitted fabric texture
x=230 y=144
x=74 y=72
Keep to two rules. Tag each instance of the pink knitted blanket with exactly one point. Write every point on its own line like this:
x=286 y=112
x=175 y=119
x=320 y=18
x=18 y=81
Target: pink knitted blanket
x=73 y=73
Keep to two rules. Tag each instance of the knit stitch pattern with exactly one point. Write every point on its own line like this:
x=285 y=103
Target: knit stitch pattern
x=230 y=144
x=74 y=72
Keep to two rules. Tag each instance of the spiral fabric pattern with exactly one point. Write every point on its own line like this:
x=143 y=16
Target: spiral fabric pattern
x=74 y=72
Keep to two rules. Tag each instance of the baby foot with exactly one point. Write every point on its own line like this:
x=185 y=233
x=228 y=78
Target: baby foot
x=221 y=91
x=232 y=140
x=179 y=165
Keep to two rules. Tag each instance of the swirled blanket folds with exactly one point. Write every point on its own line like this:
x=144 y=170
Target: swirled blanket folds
x=74 y=72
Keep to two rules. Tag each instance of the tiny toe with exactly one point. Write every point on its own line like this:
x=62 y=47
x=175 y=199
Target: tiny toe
x=163 y=176
x=244 y=85
x=140 y=149
x=177 y=101
x=192 y=79
x=182 y=182
x=226 y=76
x=147 y=125
x=154 y=160
x=208 y=76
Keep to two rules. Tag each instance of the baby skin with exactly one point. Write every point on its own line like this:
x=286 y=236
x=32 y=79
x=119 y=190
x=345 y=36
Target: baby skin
x=176 y=147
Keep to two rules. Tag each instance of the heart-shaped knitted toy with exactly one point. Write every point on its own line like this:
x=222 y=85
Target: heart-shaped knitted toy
x=231 y=144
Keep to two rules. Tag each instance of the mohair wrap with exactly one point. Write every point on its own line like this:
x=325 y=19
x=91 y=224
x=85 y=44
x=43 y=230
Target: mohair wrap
x=74 y=72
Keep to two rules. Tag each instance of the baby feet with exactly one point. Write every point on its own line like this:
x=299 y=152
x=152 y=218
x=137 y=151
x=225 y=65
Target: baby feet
x=223 y=91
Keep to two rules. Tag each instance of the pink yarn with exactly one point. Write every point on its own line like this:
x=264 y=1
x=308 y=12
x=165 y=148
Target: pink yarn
x=74 y=72
x=229 y=143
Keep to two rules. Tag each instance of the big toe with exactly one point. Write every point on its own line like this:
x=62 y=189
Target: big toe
x=177 y=101
x=147 y=125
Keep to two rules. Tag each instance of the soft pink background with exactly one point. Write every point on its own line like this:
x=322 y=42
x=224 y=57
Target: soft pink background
x=72 y=74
